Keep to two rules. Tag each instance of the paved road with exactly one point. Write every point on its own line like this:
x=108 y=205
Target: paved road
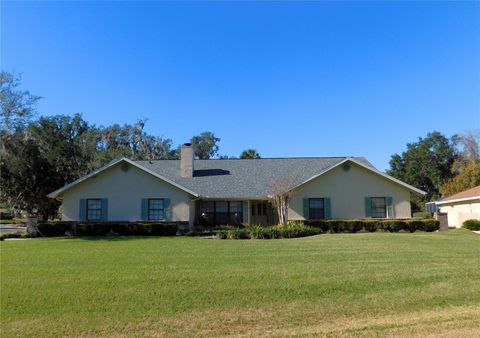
x=11 y=228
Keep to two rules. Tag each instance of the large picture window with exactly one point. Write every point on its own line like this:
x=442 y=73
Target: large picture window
x=236 y=212
x=221 y=212
x=316 y=208
x=94 y=209
x=379 y=207
x=156 y=209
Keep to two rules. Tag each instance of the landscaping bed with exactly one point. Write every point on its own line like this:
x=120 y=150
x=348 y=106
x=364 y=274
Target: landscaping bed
x=295 y=229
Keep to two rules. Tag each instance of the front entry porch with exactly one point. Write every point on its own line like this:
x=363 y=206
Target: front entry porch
x=231 y=212
x=262 y=213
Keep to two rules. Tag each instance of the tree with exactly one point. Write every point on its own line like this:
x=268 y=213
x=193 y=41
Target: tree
x=280 y=195
x=468 y=177
x=205 y=145
x=43 y=157
x=249 y=153
x=17 y=106
x=133 y=142
x=467 y=144
x=426 y=164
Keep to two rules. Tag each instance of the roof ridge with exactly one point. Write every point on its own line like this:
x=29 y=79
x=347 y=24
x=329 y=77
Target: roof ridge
x=263 y=158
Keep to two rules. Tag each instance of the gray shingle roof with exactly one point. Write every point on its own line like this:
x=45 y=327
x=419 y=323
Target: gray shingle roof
x=237 y=178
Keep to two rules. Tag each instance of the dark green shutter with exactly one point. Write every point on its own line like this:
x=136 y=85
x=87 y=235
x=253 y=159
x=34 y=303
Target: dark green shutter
x=245 y=212
x=144 y=209
x=306 y=208
x=327 y=208
x=368 y=207
x=104 y=209
x=167 y=209
x=390 y=210
x=82 y=211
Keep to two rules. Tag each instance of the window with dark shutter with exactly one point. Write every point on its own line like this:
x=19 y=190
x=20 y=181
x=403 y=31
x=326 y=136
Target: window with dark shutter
x=316 y=208
x=156 y=210
x=378 y=207
x=94 y=209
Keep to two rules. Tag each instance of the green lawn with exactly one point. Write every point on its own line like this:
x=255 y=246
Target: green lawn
x=336 y=285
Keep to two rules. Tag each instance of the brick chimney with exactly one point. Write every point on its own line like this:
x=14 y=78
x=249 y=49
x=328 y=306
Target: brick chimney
x=186 y=160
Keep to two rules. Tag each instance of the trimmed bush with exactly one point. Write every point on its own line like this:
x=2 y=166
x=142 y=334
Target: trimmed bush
x=296 y=229
x=472 y=224
x=53 y=229
x=372 y=225
x=15 y=235
x=251 y=231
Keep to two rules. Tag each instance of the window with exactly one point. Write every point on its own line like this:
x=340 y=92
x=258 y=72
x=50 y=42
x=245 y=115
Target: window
x=379 y=207
x=221 y=212
x=236 y=212
x=208 y=212
x=94 y=209
x=155 y=209
x=316 y=208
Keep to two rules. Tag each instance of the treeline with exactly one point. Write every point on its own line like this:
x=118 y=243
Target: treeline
x=438 y=165
x=41 y=154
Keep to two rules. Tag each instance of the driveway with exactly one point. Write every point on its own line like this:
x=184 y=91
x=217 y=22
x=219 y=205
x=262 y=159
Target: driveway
x=11 y=228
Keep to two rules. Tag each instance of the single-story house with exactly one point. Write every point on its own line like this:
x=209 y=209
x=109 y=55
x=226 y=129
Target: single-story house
x=232 y=191
x=460 y=207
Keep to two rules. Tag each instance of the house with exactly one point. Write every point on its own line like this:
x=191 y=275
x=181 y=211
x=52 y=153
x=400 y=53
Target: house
x=460 y=207
x=233 y=191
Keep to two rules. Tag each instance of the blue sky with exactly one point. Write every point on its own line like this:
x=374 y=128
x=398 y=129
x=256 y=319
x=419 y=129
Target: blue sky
x=290 y=79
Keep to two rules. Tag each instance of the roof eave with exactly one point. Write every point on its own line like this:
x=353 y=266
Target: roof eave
x=466 y=199
x=349 y=159
x=58 y=192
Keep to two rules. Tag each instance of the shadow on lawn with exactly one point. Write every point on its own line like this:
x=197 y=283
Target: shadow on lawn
x=114 y=238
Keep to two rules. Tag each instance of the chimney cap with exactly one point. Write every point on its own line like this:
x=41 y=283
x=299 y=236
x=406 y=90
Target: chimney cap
x=187 y=145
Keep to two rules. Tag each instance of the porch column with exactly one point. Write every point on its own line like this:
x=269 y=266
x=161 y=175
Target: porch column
x=249 y=214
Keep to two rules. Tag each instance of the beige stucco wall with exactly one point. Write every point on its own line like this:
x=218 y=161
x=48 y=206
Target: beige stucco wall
x=347 y=191
x=459 y=212
x=124 y=190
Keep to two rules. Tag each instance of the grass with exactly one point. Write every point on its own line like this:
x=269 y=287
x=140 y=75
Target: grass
x=376 y=284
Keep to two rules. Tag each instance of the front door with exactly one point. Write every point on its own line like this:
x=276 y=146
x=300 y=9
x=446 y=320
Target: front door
x=261 y=213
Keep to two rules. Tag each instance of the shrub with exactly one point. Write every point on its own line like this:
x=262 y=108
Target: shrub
x=372 y=225
x=290 y=230
x=430 y=225
x=221 y=234
x=15 y=235
x=472 y=224
x=53 y=229
x=238 y=234
x=272 y=233
x=296 y=229
x=255 y=231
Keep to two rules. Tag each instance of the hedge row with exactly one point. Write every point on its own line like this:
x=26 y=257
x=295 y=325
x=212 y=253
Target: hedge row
x=291 y=230
x=472 y=224
x=15 y=235
x=52 y=229
x=309 y=228
x=336 y=226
